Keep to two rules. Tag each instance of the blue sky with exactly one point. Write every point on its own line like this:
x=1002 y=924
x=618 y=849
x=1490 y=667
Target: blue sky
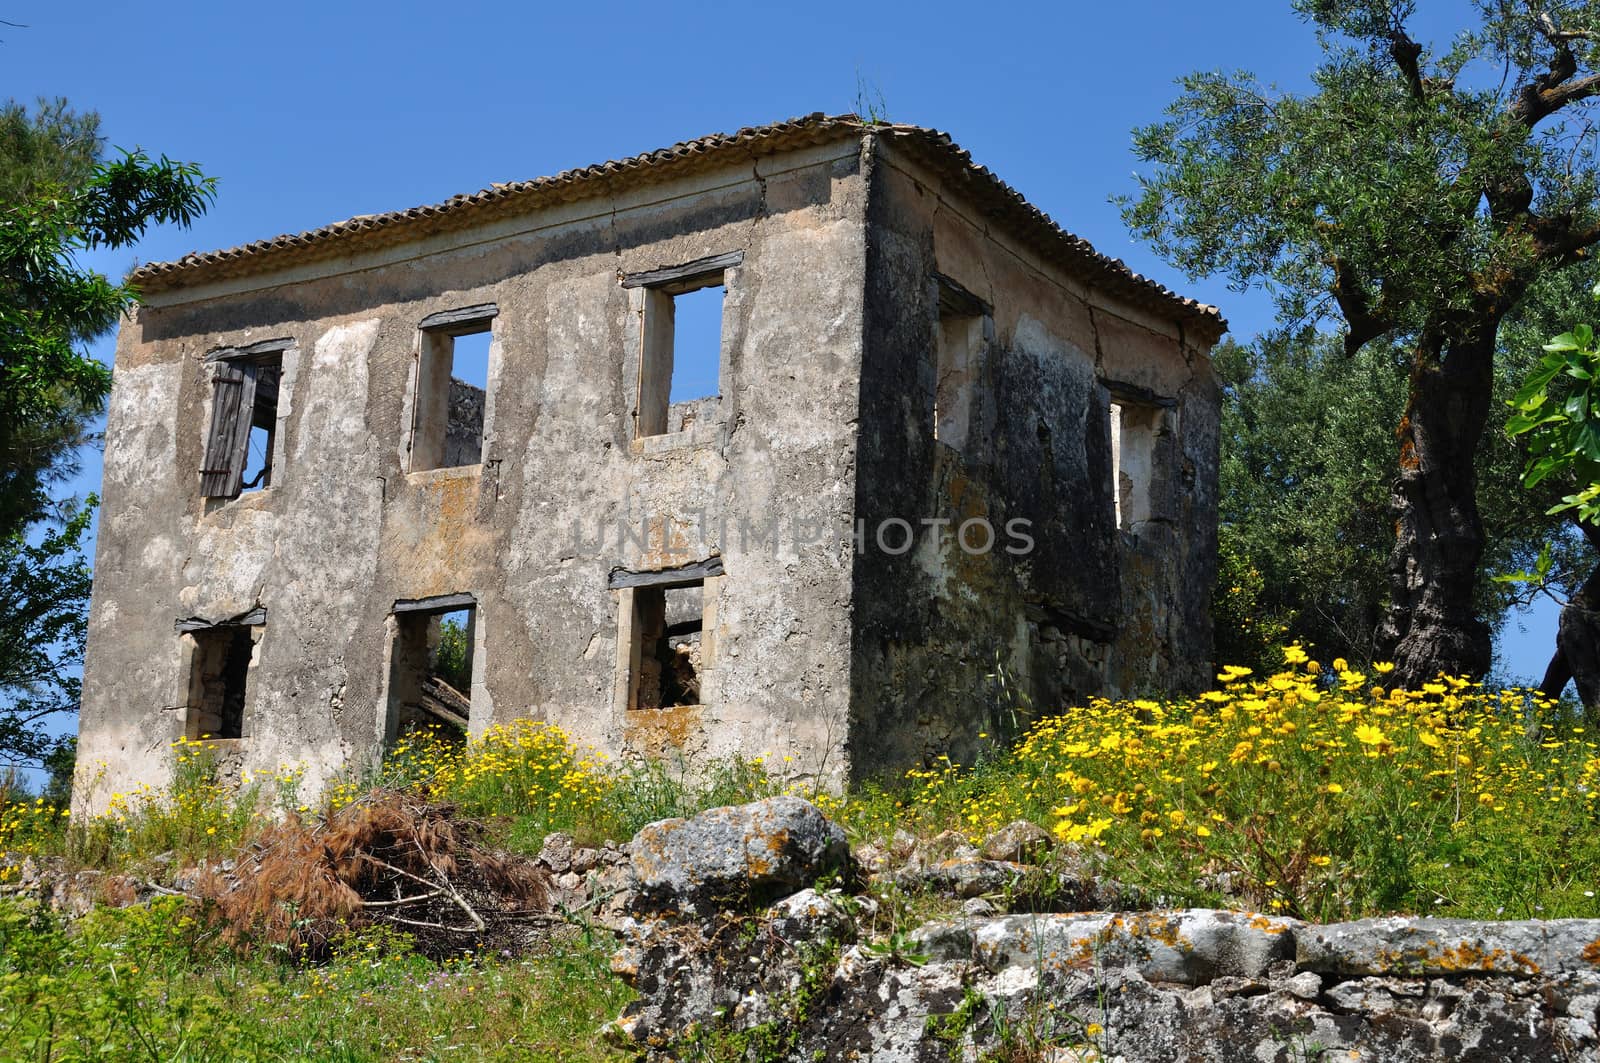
x=309 y=113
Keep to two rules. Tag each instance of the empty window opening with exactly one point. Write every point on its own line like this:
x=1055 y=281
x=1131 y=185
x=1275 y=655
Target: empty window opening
x=452 y=389
x=220 y=662
x=681 y=369
x=244 y=425
x=1116 y=461
x=958 y=343
x=257 y=460
x=1133 y=446
x=430 y=669
x=667 y=626
x=697 y=344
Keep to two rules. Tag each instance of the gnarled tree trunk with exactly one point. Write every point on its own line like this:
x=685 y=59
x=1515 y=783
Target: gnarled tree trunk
x=1577 y=656
x=1433 y=624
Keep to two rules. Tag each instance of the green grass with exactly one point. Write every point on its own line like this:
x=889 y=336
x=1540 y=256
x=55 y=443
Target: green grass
x=152 y=982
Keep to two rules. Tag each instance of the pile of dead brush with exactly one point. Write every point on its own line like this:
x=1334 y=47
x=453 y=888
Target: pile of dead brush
x=389 y=858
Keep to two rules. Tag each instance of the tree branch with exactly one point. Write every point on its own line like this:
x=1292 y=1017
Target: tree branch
x=1547 y=94
x=1561 y=241
x=1556 y=35
x=1364 y=320
x=1406 y=52
x=1591 y=534
x=1557 y=674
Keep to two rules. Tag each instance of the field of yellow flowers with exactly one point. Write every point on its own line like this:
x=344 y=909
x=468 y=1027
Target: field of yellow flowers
x=1316 y=792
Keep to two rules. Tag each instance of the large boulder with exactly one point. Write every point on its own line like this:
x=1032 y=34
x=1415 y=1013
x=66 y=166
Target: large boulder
x=737 y=854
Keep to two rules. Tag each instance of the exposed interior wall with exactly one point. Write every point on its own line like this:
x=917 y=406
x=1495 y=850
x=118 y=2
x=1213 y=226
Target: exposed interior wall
x=1000 y=415
x=219 y=662
x=564 y=492
x=422 y=691
x=463 y=438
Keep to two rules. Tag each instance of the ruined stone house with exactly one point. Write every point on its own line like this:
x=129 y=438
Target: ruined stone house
x=942 y=460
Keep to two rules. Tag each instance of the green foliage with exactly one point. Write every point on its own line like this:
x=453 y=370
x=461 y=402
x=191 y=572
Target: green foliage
x=1324 y=796
x=53 y=146
x=649 y=790
x=1558 y=410
x=531 y=779
x=57 y=200
x=1416 y=202
x=1246 y=627
x=48 y=304
x=1304 y=486
x=1363 y=197
x=951 y=1029
x=44 y=604
x=59 y=765
x=1317 y=791
x=869 y=105
x=197 y=817
x=452 y=661
x=1304 y=496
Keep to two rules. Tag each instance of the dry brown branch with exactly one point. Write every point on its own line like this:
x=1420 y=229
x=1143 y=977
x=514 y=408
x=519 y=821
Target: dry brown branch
x=302 y=885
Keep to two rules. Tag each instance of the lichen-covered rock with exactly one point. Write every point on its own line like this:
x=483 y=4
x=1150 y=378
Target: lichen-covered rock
x=810 y=916
x=759 y=851
x=964 y=877
x=818 y=976
x=946 y=845
x=1203 y=986
x=902 y=845
x=1187 y=947
x=610 y=886
x=1063 y=880
x=871 y=859
x=556 y=852
x=1423 y=947
x=71 y=893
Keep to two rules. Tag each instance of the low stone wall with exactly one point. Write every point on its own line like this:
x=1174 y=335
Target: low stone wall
x=827 y=975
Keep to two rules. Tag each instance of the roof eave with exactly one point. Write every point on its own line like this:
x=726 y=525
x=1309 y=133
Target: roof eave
x=935 y=148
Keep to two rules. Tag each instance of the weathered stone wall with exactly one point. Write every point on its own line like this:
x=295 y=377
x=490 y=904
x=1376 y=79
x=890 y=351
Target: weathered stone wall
x=463 y=440
x=1089 y=609
x=564 y=496
x=1148 y=987
x=830 y=974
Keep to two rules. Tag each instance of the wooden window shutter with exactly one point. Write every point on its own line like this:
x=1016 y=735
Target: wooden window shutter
x=233 y=404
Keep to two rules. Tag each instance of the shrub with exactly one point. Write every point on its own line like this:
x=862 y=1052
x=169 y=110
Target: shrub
x=26 y=826
x=535 y=777
x=198 y=817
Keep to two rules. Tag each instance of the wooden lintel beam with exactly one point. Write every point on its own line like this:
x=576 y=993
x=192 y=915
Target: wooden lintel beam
x=681 y=576
x=700 y=267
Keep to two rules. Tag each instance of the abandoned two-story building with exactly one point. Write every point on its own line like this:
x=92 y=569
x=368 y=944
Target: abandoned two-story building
x=469 y=462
